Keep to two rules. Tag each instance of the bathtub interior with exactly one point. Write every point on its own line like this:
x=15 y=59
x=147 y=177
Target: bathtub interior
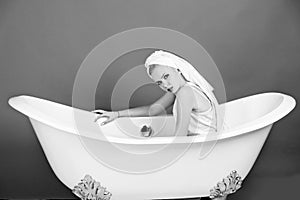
x=249 y=109
x=76 y=120
x=238 y=113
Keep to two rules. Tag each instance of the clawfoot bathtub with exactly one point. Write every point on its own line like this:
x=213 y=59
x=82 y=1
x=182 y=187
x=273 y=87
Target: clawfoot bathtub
x=133 y=168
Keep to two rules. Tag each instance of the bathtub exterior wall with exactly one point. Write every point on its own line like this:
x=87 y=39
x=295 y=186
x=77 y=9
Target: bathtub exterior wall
x=189 y=176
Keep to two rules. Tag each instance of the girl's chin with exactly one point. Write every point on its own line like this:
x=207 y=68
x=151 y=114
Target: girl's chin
x=174 y=90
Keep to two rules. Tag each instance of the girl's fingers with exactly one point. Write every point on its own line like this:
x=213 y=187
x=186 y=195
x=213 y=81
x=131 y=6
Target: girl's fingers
x=98 y=117
x=105 y=122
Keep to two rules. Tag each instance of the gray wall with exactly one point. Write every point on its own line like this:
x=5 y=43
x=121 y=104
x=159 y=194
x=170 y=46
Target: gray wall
x=255 y=44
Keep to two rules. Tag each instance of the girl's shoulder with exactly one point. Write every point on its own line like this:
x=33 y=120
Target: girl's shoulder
x=190 y=93
x=185 y=92
x=186 y=89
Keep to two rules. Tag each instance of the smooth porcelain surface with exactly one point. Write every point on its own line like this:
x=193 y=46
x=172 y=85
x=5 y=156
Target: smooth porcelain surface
x=65 y=145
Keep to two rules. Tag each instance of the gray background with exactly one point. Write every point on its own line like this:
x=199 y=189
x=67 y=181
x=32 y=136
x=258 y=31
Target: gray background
x=255 y=44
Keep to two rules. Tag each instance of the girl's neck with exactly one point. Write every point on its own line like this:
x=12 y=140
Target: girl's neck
x=183 y=82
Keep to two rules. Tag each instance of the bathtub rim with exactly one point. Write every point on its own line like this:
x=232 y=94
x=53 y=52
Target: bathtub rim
x=287 y=105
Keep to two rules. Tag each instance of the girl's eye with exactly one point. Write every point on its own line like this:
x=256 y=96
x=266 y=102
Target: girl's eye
x=158 y=82
x=166 y=76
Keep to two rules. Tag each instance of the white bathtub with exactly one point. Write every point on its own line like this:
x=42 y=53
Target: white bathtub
x=76 y=150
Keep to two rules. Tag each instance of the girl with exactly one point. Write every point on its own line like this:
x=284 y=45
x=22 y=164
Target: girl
x=194 y=104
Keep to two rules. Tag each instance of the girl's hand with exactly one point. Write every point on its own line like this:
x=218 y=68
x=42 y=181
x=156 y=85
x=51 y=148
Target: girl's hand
x=110 y=115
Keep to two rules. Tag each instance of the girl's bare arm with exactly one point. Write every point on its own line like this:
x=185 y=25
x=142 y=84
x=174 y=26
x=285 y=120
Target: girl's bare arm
x=185 y=104
x=156 y=108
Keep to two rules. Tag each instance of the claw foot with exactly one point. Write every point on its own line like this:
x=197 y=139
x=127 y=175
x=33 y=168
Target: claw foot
x=228 y=185
x=89 y=189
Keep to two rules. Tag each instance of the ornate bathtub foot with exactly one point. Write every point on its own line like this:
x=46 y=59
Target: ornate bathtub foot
x=89 y=189
x=228 y=185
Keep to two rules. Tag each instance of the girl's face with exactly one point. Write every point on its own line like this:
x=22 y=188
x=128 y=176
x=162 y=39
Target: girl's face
x=167 y=78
